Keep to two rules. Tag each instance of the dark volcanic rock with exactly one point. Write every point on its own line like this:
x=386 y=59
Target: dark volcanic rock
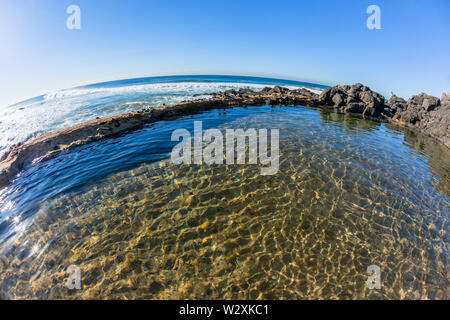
x=274 y=96
x=354 y=99
x=304 y=92
x=394 y=106
x=424 y=113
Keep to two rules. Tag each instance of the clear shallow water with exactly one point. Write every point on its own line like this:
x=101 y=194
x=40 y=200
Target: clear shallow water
x=349 y=193
x=64 y=108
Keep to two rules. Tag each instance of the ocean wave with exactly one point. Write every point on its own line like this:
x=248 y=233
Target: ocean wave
x=184 y=87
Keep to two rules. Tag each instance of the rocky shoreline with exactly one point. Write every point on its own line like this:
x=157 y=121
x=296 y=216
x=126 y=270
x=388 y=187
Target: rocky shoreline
x=421 y=113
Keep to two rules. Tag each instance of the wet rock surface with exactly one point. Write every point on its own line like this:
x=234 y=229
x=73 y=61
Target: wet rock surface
x=422 y=113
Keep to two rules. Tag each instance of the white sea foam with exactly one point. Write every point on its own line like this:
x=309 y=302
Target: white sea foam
x=183 y=87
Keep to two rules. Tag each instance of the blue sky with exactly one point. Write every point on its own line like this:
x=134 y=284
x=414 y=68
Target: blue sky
x=326 y=42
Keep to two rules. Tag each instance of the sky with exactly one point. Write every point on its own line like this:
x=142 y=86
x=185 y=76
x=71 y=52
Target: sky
x=325 y=42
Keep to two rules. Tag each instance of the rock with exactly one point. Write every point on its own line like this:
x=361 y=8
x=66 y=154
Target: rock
x=304 y=92
x=277 y=89
x=423 y=101
x=114 y=123
x=429 y=104
x=230 y=92
x=423 y=113
x=244 y=91
x=103 y=129
x=417 y=108
x=409 y=116
x=394 y=105
x=266 y=90
x=354 y=107
x=369 y=112
x=354 y=99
